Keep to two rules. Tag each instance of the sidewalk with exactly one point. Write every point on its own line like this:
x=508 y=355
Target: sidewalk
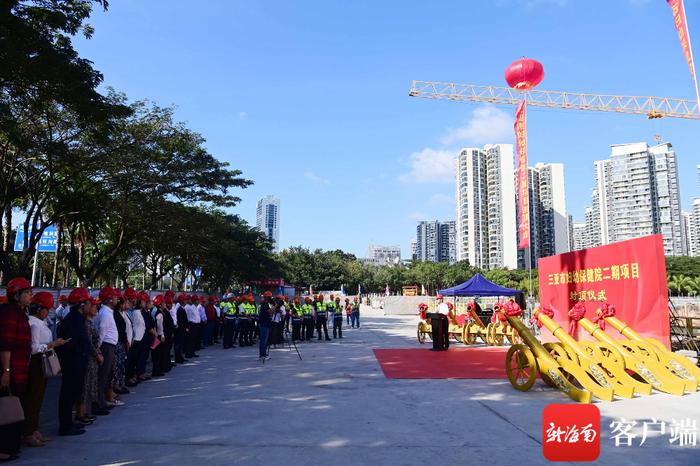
x=335 y=407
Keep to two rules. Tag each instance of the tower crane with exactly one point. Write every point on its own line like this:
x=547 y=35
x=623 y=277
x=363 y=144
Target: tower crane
x=652 y=107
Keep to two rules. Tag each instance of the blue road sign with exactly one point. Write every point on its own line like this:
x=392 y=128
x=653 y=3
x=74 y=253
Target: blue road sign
x=47 y=243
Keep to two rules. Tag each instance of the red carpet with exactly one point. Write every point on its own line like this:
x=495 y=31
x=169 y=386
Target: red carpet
x=456 y=363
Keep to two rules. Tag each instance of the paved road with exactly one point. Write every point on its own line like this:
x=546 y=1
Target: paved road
x=335 y=407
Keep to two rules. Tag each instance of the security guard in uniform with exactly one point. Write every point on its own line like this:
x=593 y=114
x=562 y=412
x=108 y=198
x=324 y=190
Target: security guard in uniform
x=228 y=309
x=307 y=322
x=296 y=313
x=320 y=310
x=338 y=319
x=252 y=320
x=242 y=322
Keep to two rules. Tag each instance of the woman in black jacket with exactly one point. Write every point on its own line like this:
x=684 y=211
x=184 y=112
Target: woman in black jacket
x=73 y=356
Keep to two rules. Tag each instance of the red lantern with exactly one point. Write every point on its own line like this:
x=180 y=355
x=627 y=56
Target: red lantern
x=524 y=74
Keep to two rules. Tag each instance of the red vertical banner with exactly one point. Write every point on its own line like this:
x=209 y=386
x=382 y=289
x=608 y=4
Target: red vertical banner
x=679 y=20
x=521 y=175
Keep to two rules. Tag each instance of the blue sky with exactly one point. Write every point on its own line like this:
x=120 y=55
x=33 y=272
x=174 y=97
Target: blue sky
x=310 y=98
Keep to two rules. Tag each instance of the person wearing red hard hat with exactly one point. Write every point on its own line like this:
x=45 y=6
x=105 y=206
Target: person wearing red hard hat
x=73 y=356
x=15 y=353
x=320 y=311
x=265 y=321
x=193 y=319
x=157 y=348
x=209 y=320
x=106 y=327
x=201 y=310
x=440 y=325
x=143 y=311
x=296 y=318
x=42 y=341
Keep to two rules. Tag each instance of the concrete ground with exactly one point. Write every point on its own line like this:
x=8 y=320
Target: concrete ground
x=336 y=407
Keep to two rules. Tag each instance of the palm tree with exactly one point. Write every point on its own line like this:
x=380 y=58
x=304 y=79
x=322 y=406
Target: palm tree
x=679 y=283
x=694 y=286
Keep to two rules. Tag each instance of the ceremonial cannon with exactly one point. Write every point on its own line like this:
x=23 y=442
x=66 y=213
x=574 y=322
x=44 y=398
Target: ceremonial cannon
x=652 y=349
x=525 y=360
x=645 y=366
x=494 y=333
x=425 y=329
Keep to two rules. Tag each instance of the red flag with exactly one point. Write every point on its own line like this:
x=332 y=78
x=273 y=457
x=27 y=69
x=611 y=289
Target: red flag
x=679 y=20
x=521 y=174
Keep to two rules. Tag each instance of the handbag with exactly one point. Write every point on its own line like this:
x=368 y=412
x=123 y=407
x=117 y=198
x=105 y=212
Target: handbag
x=50 y=364
x=11 y=410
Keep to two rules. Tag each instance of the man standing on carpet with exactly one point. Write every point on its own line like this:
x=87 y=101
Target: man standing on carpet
x=444 y=311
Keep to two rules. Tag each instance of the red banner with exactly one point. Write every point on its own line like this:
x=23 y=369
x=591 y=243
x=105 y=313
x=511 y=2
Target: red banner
x=521 y=175
x=679 y=20
x=630 y=275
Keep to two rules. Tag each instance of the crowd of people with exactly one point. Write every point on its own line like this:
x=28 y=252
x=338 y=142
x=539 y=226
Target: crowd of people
x=104 y=344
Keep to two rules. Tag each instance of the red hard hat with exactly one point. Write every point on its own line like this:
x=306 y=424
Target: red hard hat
x=158 y=300
x=181 y=297
x=296 y=300
x=130 y=294
x=168 y=300
x=17 y=285
x=170 y=293
x=77 y=295
x=212 y=299
x=450 y=306
x=43 y=299
x=63 y=299
x=106 y=294
x=143 y=296
x=267 y=294
x=307 y=299
x=439 y=297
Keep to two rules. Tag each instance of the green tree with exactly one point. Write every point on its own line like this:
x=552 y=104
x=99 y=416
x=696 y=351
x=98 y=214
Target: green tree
x=679 y=284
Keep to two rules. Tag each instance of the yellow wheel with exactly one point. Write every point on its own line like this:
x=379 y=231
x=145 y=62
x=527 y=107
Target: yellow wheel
x=468 y=338
x=521 y=367
x=496 y=335
x=514 y=336
x=421 y=334
x=490 y=331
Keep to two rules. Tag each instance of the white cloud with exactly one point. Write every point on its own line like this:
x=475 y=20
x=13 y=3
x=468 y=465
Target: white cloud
x=311 y=176
x=418 y=216
x=430 y=166
x=441 y=199
x=242 y=115
x=487 y=125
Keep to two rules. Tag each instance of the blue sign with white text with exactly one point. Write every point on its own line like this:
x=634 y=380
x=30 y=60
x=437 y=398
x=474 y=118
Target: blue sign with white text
x=47 y=243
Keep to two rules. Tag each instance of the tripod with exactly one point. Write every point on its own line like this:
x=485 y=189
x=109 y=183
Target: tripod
x=290 y=343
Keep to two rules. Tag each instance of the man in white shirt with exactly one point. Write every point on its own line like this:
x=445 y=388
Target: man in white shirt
x=202 y=322
x=109 y=336
x=440 y=326
x=194 y=320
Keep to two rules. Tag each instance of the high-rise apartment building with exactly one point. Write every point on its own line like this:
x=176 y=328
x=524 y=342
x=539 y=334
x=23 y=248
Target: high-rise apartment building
x=383 y=255
x=693 y=230
x=268 y=219
x=636 y=194
x=549 y=222
x=485 y=193
x=579 y=235
x=435 y=241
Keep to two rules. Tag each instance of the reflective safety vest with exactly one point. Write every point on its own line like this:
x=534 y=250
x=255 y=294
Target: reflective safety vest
x=338 y=310
x=320 y=308
x=307 y=310
x=249 y=309
x=331 y=307
x=294 y=309
x=228 y=309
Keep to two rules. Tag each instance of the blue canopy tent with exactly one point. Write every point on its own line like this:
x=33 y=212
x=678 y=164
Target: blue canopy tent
x=479 y=286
